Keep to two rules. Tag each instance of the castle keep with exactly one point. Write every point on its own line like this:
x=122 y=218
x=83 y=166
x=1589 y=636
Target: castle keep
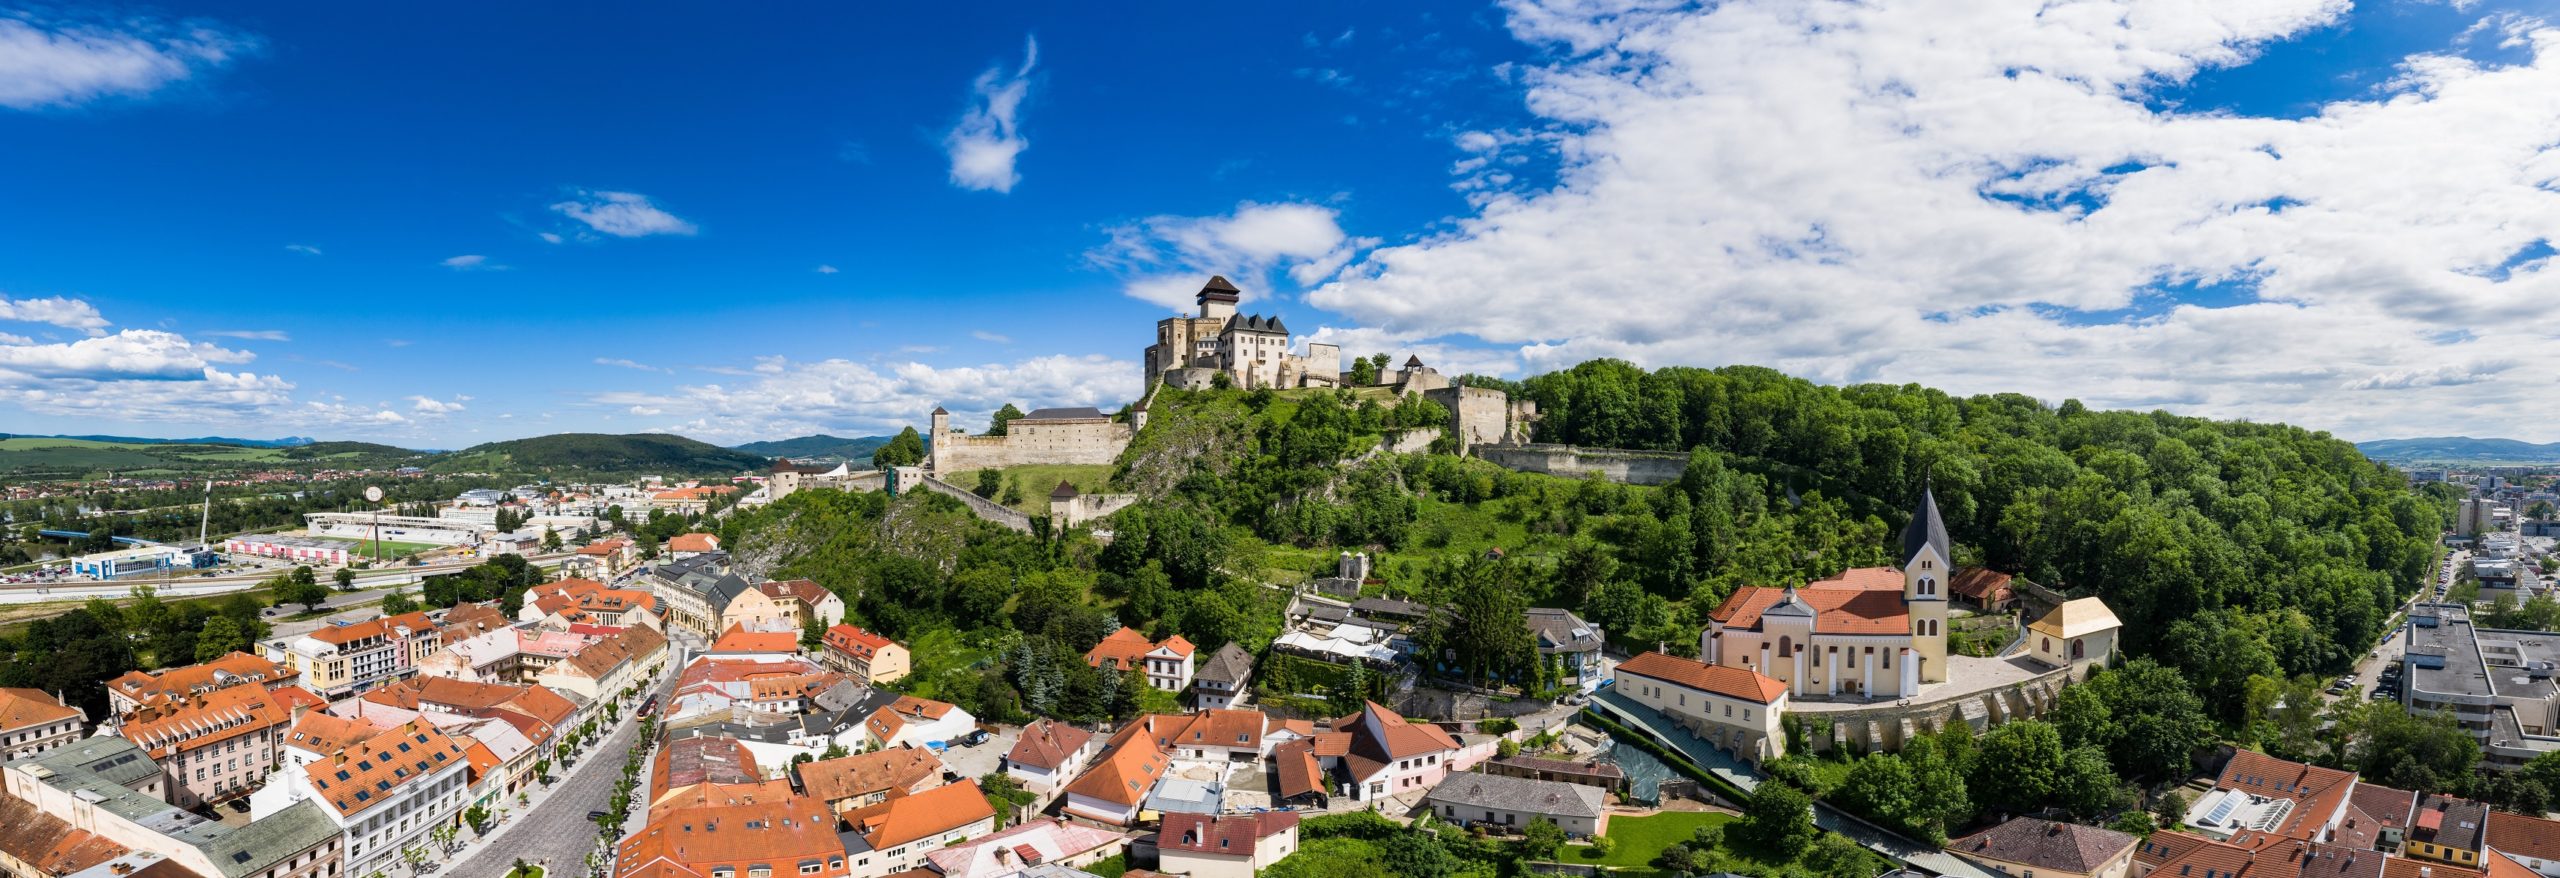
x=1250 y=349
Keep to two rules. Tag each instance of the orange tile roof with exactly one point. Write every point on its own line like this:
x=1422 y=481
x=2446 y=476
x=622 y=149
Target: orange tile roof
x=324 y=733
x=851 y=640
x=693 y=543
x=2499 y=865
x=176 y=682
x=904 y=819
x=1981 y=584
x=2404 y=867
x=807 y=592
x=20 y=708
x=1299 y=773
x=362 y=776
x=604 y=547
x=1047 y=744
x=1742 y=683
x=690 y=841
x=863 y=774
x=1383 y=736
x=1126 y=770
x=739 y=639
x=48 y=842
x=1221 y=728
x=178 y=726
x=342 y=635
x=1123 y=649
x=2524 y=836
x=2316 y=792
x=1866 y=600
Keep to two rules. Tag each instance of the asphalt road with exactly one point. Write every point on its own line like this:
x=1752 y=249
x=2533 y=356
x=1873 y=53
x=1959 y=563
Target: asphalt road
x=557 y=830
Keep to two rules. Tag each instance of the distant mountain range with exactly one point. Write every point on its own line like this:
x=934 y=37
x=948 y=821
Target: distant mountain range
x=2460 y=449
x=820 y=445
x=286 y=442
x=602 y=452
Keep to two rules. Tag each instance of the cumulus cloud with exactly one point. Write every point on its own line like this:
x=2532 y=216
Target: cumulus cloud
x=2002 y=195
x=54 y=63
x=988 y=140
x=622 y=215
x=428 y=405
x=790 y=398
x=135 y=374
x=1164 y=258
x=54 y=311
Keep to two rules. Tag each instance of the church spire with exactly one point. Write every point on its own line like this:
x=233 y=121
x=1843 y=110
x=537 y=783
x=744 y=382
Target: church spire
x=1926 y=528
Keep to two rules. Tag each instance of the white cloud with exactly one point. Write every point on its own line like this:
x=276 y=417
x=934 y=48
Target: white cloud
x=135 y=374
x=983 y=335
x=1983 y=195
x=551 y=237
x=304 y=249
x=428 y=405
x=50 y=63
x=54 y=311
x=622 y=215
x=622 y=363
x=988 y=140
x=788 y=398
x=253 y=334
x=826 y=269
x=471 y=262
x=1165 y=258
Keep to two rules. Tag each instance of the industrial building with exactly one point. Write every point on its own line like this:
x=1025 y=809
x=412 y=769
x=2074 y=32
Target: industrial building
x=139 y=561
x=298 y=549
x=394 y=528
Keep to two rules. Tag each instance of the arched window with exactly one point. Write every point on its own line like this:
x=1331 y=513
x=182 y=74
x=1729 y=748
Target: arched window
x=1928 y=586
x=2044 y=644
x=1786 y=646
x=2079 y=649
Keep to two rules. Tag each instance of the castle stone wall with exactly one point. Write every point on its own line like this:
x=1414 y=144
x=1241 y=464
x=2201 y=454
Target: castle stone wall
x=1477 y=415
x=983 y=507
x=1079 y=441
x=1082 y=508
x=1615 y=464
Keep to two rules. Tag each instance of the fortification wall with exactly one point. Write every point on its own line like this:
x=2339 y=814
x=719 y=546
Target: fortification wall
x=1055 y=442
x=1412 y=441
x=1086 y=507
x=1886 y=725
x=1477 y=415
x=1615 y=464
x=981 y=506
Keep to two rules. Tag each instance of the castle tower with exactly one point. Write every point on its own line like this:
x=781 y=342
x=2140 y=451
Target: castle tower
x=1218 y=298
x=1927 y=565
x=936 y=440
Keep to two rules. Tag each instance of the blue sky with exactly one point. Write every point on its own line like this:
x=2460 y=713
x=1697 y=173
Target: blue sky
x=756 y=222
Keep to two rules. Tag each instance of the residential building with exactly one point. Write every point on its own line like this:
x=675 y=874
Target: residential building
x=1508 y=803
x=1232 y=846
x=386 y=791
x=36 y=843
x=1376 y=753
x=217 y=745
x=1232 y=735
x=586 y=601
x=695 y=770
x=774 y=836
x=1299 y=776
x=2079 y=634
x=689 y=545
x=870 y=657
x=1119 y=779
x=605 y=667
x=2532 y=842
x=1984 y=589
x=740 y=641
x=1871 y=632
x=1605 y=776
x=604 y=559
x=2377 y=817
x=1167 y=663
x=1048 y=753
x=782 y=605
x=916 y=722
x=33 y=722
x=1731 y=707
x=2446 y=829
x=2034 y=847
x=896 y=835
x=137 y=688
x=343 y=658
x=1220 y=682
x=1040 y=842
x=540 y=713
x=2174 y=854
x=1568 y=645
x=2262 y=794
x=110 y=789
x=850 y=783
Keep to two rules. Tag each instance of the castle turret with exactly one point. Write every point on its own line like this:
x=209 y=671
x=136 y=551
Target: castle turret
x=936 y=439
x=1927 y=564
x=1218 y=298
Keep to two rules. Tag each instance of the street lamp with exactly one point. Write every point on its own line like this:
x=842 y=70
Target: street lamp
x=373 y=495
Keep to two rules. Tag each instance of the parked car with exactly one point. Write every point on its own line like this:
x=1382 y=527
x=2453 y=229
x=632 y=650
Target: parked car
x=974 y=738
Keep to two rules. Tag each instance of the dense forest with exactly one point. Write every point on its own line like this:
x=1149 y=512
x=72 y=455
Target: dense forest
x=581 y=453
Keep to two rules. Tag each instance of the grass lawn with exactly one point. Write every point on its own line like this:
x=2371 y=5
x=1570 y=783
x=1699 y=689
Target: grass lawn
x=529 y=871
x=1640 y=839
x=390 y=548
x=1037 y=480
x=1109 y=867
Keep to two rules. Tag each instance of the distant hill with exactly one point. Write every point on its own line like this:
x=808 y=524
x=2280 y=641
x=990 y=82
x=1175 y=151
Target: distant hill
x=820 y=445
x=600 y=452
x=2460 y=449
x=286 y=442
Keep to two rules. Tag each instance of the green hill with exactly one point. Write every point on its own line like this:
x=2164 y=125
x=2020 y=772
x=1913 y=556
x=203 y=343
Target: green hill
x=602 y=453
x=2460 y=449
x=819 y=445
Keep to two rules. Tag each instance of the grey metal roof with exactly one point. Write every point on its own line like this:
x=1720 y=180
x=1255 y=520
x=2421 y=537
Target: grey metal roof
x=1256 y=323
x=1926 y=529
x=1071 y=413
x=261 y=845
x=1390 y=607
x=1518 y=794
x=1229 y=665
x=104 y=770
x=1561 y=631
x=725 y=589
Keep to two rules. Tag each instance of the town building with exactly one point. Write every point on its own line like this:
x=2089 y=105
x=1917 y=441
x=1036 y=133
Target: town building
x=1036 y=843
x=2499 y=684
x=1220 y=682
x=771 y=835
x=869 y=657
x=109 y=792
x=1568 y=645
x=1507 y=804
x=386 y=792
x=2027 y=847
x=1078 y=435
x=33 y=722
x=2078 y=634
x=2186 y=855
x=137 y=688
x=289 y=547
x=1871 y=632
x=1732 y=707
x=1984 y=589
x=345 y=658
x=2261 y=794
x=1252 y=351
x=740 y=641
x=217 y=745
x=1119 y=779
x=1232 y=846
x=2531 y=842
x=1048 y=753
x=1377 y=753
x=2447 y=830
x=916 y=722
x=605 y=558
x=1605 y=776
x=1167 y=663
x=689 y=545
x=851 y=783
x=585 y=601
x=603 y=668
x=782 y=605
x=896 y=835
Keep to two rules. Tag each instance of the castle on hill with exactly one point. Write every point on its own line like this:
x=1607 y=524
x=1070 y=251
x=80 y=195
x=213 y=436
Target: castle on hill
x=1252 y=350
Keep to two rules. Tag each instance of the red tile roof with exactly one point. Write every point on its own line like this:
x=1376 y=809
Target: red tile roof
x=1123 y=649
x=2316 y=792
x=1232 y=835
x=2524 y=836
x=1128 y=767
x=863 y=774
x=1865 y=600
x=1047 y=744
x=904 y=819
x=693 y=542
x=740 y=640
x=20 y=708
x=1731 y=682
x=1981 y=584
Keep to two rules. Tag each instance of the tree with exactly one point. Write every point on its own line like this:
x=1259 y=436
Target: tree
x=2387 y=744
x=2018 y=765
x=550 y=540
x=813 y=633
x=346 y=579
x=1481 y=637
x=2087 y=785
x=301 y=589
x=219 y=638
x=996 y=425
x=478 y=817
x=1779 y=819
x=1006 y=796
x=398 y=602
x=1883 y=789
x=1835 y=856
x=2159 y=723
x=990 y=481
x=1540 y=839
x=904 y=449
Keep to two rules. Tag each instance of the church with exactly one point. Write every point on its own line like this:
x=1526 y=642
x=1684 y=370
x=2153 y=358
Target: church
x=1871 y=632
x=1252 y=350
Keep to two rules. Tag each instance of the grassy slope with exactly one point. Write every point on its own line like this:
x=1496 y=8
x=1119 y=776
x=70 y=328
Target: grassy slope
x=1037 y=480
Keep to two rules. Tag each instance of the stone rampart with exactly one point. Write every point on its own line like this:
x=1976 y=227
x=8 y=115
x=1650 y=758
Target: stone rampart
x=1082 y=508
x=983 y=507
x=1886 y=725
x=1622 y=465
